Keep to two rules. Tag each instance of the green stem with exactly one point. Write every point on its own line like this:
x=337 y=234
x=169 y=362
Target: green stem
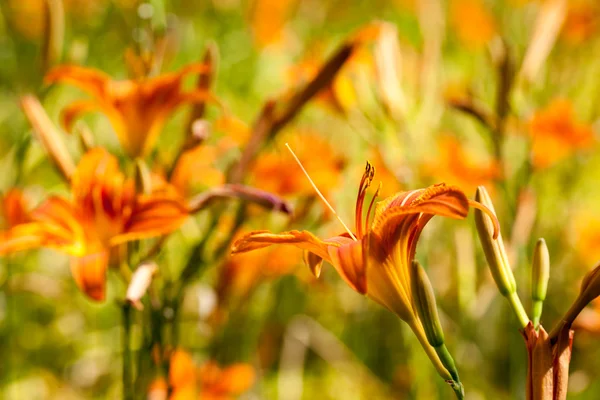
x=430 y=351
x=518 y=309
x=127 y=375
x=536 y=312
x=448 y=362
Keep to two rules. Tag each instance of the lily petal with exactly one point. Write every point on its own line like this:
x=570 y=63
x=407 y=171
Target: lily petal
x=74 y=110
x=89 y=80
x=301 y=239
x=89 y=272
x=350 y=260
x=152 y=217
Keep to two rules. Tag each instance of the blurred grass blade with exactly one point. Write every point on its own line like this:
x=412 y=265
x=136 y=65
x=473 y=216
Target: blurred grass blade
x=47 y=133
x=388 y=61
x=547 y=27
x=54 y=34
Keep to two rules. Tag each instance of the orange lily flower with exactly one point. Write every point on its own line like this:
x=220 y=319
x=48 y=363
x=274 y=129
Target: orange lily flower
x=137 y=109
x=104 y=211
x=457 y=166
x=582 y=21
x=556 y=133
x=239 y=274
x=375 y=259
x=208 y=382
x=275 y=172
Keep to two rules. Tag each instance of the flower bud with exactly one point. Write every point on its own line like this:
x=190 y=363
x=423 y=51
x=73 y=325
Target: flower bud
x=494 y=250
x=540 y=274
x=424 y=302
x=495 y=254
x=590 y=287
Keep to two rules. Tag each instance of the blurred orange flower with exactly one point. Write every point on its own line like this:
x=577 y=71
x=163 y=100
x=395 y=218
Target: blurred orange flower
x=582 y=22
x=137 y=109
x=474 y=24
x=454 y=165
x=276 y=172
x=197 y=167
x=586 y=227
x=208 y=382
x=104 y=211
x=268 y=20
x=242 y=272
x=556 y=134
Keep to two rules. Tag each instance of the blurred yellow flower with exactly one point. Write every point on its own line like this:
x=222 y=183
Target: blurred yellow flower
x=458 y=167
x=207 y=382
x=582 y=22
x=137 y=109
x=556 y=134
x=104 y=212
x=473 y=23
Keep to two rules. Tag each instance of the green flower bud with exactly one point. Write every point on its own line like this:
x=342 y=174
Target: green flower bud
x=424 y=301
x=494 y=250
x=495 y=254
x=540 y=274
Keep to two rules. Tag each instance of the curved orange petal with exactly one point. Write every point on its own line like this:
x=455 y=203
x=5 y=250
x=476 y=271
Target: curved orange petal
x=152 y=217
x=89 y=272
x=54 y=224
x=22 y=237
x=90 y=80
x=14 y=208
x=443 y=200
x=74 y=110
x=301 y=239
x=350 y=260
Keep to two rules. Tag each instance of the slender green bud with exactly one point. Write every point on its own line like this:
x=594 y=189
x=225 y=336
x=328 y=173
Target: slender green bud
x=495 y=254
x=540 y=273
x=425 y=305
x=494 y=250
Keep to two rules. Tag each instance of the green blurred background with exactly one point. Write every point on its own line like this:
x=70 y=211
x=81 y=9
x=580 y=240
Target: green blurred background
x=312 y=339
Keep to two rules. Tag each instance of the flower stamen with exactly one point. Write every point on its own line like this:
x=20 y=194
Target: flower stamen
x=365 y=182
x=319 y=193
x=367 y=221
